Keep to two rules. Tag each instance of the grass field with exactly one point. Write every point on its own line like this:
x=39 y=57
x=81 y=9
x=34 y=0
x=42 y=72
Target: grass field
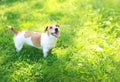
x=87 y=51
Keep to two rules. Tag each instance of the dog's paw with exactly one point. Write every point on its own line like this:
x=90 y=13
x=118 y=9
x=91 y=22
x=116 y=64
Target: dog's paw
x=17 y=50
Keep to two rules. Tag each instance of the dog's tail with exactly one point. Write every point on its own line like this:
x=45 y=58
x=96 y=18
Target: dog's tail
x=13 y=30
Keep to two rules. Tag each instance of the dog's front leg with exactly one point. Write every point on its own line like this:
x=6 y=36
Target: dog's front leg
x=45 y=52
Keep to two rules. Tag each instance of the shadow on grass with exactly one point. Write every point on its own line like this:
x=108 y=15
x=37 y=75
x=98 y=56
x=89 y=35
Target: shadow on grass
x=13 y=65
x=9 y=2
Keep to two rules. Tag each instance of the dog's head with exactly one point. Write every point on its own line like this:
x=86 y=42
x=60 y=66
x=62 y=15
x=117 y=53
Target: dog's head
x=53 y=30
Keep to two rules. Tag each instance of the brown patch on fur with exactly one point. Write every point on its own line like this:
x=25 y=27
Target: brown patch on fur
x=57 y=25
x=35 y=37
x=15 y=31
x=46 y=30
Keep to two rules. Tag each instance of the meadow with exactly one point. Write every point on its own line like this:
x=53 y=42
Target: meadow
x=88 y=49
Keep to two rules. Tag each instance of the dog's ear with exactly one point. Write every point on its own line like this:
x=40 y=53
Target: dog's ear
x=57 y=25
x=46 y=29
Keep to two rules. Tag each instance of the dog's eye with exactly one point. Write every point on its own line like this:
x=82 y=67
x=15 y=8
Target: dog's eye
x=51 y=27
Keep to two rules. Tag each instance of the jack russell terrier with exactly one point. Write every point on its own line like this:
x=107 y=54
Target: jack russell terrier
x=44 y=41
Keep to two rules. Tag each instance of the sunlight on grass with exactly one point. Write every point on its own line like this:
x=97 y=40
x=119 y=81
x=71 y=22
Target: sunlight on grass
x=87 y=50
x=23 y=69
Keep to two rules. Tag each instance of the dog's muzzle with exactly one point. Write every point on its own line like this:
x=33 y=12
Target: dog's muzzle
x=56 y=34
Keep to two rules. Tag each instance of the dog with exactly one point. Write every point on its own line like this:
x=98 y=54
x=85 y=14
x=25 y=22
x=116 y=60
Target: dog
x=44 y=41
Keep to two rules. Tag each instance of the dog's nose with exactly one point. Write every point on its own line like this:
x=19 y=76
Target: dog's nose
x=56 y=29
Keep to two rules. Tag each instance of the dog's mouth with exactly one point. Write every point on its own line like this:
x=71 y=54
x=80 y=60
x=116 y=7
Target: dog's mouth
x=56 y=34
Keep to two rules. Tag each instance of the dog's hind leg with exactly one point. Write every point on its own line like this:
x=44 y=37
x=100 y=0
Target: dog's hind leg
x=18 y=47
x=18 y=44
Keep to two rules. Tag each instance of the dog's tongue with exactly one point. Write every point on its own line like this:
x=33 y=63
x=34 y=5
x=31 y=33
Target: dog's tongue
x=57 y=35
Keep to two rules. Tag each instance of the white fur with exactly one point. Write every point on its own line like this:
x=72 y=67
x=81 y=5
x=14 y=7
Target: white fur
x=9 y=26
x=47 y=42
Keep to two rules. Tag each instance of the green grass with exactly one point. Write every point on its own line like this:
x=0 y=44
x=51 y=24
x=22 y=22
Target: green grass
x=87 y=51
